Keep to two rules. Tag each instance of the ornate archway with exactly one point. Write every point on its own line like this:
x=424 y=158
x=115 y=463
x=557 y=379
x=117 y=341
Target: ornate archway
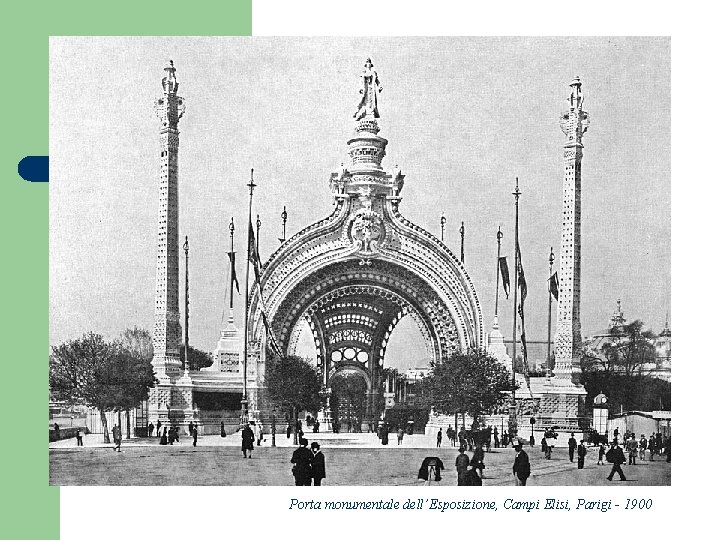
x=353 y=275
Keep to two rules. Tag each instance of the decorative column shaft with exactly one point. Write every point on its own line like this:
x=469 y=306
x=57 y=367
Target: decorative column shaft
x=568 y=339
x=166 y=336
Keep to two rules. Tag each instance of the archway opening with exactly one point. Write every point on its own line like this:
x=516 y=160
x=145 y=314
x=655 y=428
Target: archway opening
x=406 y=361
x=406 y=347
x=349 y=400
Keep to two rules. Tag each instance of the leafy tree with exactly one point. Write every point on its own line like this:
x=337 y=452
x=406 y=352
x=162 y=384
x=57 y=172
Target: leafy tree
x=107 y=376
x=139 y=341
x=628 y=350
x=620 y=370
x=197 y=359
x=293 y=384
x=473 y=382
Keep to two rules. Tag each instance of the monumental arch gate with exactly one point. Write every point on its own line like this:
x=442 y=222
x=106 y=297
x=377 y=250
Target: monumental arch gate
x=353 y=275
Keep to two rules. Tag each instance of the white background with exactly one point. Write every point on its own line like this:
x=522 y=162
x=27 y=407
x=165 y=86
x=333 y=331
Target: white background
x=685 y=508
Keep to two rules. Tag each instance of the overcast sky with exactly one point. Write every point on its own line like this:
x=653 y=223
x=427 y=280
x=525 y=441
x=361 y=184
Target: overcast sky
x=463 y=118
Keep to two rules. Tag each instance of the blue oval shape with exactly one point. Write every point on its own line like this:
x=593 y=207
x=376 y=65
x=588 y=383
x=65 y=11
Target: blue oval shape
x=34 y=168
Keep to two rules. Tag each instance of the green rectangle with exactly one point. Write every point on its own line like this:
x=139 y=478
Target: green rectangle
x=30 y=506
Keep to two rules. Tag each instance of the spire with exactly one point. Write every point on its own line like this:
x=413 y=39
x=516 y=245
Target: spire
x=618 y=319
x=666 y=330
x=365 y=176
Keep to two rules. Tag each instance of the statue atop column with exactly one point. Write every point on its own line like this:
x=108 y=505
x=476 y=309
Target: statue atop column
x=370 y=89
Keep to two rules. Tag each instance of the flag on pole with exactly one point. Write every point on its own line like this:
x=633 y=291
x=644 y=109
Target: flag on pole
x=554 y=286
x=233 y=272
x=253 y=256
x=505 y=273
x=254 y=260
x=522 y=286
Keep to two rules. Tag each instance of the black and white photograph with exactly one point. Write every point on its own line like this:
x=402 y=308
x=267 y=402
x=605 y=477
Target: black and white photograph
x=349 y=261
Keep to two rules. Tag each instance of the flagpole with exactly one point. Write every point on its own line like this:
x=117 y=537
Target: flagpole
x=284 y=222
x=513 y=411
x=251 y=187
x=186 y=366
x=232 y=263
x=497 y=272
x=550 y=260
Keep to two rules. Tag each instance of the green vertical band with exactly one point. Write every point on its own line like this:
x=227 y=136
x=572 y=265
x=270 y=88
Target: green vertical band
x=30 y=507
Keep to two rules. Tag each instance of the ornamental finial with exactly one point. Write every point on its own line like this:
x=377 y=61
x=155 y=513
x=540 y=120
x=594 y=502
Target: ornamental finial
x=169 y=82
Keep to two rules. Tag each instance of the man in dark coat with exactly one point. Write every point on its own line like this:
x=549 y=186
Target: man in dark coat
x=318 y=464
x=117 y=437
x=151 y=428
x=572 y=445
x=302 y=459
x=616 y=457
x=461 y=466
x=159 y=425
x=582 y=452
x=194 y=435
x=248 y=438
x=521 y=467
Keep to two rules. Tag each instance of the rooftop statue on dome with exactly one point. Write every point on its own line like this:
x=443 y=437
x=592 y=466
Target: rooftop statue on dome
x=371 y=88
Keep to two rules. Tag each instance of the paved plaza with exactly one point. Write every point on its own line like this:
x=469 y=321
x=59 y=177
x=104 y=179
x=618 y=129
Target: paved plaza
x=352 y=459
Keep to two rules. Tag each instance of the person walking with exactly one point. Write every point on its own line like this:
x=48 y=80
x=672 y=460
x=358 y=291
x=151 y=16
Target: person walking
x=632 y=448
x=572 y=445
x=163 y=437
x=79 y=437
x=521 y=466
x=642 y=445
x=223 y=433
x=151 y=427
x=601 y=454
x=248 y=437
x=117 y=438
x=461 y=466
x=318 y=464
x=439 y=437
x=616 y=457
x=194 y=435
x=496 y=439
x=159 y=424
x=477 y=465
x=581 y=453
x=652 y=447
x=302 y=459
x=400 y=435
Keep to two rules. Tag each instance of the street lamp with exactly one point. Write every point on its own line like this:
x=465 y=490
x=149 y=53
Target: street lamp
x=272 y=420
x=532 y=431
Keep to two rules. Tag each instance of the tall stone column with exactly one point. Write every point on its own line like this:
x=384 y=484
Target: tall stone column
x=568 y=340
x=166 y=336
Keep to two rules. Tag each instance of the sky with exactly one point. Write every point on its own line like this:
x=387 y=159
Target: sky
x=464 y=117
